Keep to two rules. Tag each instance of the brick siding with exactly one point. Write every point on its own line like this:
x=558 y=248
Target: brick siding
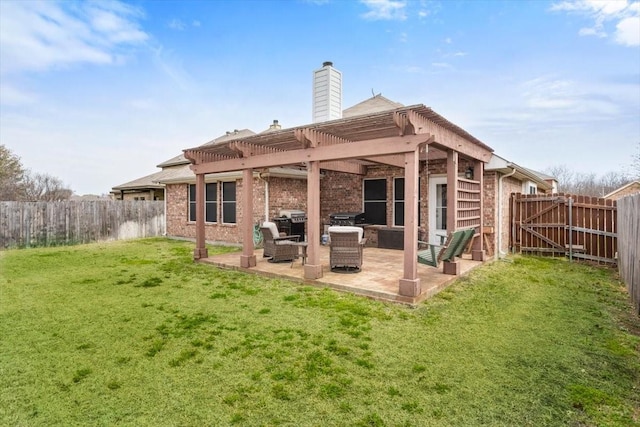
x=339 y=192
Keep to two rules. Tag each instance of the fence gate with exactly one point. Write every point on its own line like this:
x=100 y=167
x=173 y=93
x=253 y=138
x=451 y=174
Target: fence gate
x=564 y=225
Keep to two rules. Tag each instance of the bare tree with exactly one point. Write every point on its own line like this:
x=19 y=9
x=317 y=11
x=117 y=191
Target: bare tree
x=47 y=188
x=635 y=163
x=564 y=176
x=17 y=183
x=587 y=184
x=612 y=180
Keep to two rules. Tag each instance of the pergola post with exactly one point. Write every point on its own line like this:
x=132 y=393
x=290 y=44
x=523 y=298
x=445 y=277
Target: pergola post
x=452 y=206
x=248 y=258
x=313 y=267
x=201 y=249
x=478 y=252
x=410 y=282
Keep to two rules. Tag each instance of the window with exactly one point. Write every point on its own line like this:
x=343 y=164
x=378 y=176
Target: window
x=441 y=206
x=375 y=201
x=210 y=202
x=229 y=202
x=192 y=202
x=398 y=201
x=529 y=187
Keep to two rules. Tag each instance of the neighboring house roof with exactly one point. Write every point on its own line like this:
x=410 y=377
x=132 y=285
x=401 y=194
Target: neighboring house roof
x=149 y=181
x=502 y=165
x=229 y=136
x=374 y=104
x=626 y=190
x=174 y=161
x=181 y=160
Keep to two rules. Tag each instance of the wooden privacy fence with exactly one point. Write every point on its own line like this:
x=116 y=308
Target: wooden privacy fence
x=629 y=245
x=25 y=224
x=564 y=225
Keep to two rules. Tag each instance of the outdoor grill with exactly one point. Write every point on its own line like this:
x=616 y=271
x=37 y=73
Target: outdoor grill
x=347 y=218
x=291 y=222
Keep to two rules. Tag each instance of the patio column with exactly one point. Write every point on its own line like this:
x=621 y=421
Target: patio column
x=248 y=258
x=478 y=252
x=201 y=249
x=452 y=206
x=313 y=267
x=410 y=283
x=452 y=191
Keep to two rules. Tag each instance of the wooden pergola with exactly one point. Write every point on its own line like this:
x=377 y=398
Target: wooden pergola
x=399 y=138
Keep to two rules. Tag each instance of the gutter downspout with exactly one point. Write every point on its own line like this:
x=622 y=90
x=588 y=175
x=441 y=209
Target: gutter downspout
x=499 y=252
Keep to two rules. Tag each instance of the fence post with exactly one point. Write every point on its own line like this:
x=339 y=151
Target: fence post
x=570 y=229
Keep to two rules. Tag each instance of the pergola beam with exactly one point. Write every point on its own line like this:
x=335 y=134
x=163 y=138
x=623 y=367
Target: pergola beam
x=396 y=160
x=311 y=138
x=403 y=123
x=245 y=149
x=350 y=150
x=344 y=166
x=447 y=139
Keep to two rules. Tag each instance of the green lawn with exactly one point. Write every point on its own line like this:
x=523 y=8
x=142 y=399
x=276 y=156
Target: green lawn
x=134 y=333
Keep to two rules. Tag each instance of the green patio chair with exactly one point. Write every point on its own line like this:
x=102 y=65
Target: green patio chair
x=433 y=254
x=464 y=242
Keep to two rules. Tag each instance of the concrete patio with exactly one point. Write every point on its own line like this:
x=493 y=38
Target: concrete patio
x=378 y=279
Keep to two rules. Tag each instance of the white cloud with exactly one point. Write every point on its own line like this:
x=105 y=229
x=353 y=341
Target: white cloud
x=622 y=15
x=41 y=35
x=176 y=24
x=628 y=31
x=567 y=98
x=180 y=25
x=10 y=95
x=414 y=69
x=387 y=10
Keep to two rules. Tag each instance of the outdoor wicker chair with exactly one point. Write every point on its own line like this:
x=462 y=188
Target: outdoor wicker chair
x=346 y=246
x=277 y=247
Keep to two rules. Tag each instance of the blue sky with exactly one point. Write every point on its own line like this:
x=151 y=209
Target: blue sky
x=98 y=93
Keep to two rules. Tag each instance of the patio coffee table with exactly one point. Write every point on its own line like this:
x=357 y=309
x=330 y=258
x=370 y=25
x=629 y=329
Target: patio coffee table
x=302 y=252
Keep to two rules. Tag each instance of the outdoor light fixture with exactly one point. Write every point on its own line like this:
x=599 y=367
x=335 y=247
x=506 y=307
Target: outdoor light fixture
x=469 y=173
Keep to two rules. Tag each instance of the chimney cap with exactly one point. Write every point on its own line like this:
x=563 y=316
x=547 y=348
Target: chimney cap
x=327 y=64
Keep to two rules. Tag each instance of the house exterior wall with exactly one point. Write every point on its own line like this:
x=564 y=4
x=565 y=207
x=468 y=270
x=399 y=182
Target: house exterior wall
x=339 y=192
x=177 y=211
x=152 y=194
x=490 y=212
x=285 y=193
x=509 y=185
x=178 y=224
